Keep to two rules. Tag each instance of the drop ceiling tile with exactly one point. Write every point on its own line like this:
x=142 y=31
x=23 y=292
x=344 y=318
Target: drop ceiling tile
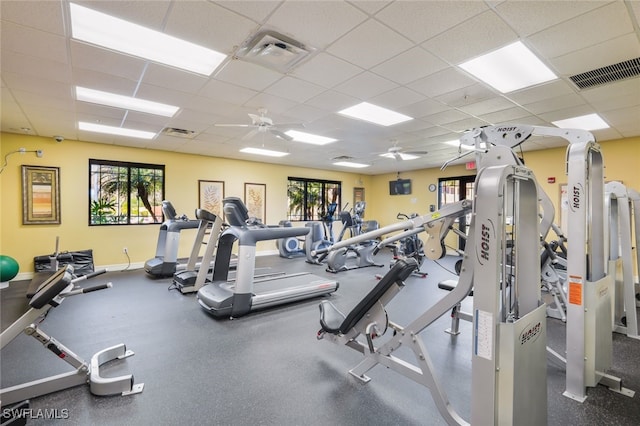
x=529 y=17
x=564 y=113
x=365 y=86
x=606 y=134
x=623 y=93
x=95 y=110
x=105 y=82
x=175 y=79
x=397 y=98
x=410 y=65
x=599 y=55
x=480 y=34
x=316 y=23
x=486 y=106
x=448 y=116
x=151 y=120
x=246 y=74
x=326 y=70
x=19 y=39
x=163 y=95
x=421 y=20
x=462 y=125
x=21 y=84
x=44 y=15
x=369 y=44
x=147 y=14
x=84 y=56
x=611 y=21
x=227 y=92
x=554 y=104
x=512 y=115
x=274 y=104
x=423 y=108
x=37 y=67
x=305 y=113
x=622 y=116
x=445 y=81
x=370 y=6
x=208 y=25
x=467 y=95
x=332 y=101
x=294 y=89
x=200 y=109
x=257 y=10
x=541 y=92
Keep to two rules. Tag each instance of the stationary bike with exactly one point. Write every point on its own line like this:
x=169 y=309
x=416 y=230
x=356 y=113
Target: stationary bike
x=409 y=246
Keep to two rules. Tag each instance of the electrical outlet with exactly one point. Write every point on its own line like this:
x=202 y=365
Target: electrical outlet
x=125 y=250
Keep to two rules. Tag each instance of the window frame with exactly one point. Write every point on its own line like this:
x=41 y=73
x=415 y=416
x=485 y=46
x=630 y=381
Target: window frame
x=323 y=202
x=130 y=192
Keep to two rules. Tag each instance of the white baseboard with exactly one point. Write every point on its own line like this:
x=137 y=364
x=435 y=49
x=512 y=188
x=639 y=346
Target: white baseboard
x=23 y=276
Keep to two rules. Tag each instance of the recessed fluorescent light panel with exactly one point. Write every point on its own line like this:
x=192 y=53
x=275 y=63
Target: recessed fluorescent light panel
x=584 y=122
x=117 y=34
x=350 y=164
x=120 y=131
x=510 y=68
x=126 y=102
x=266 y=152
x=309 y=137
x=375 y=114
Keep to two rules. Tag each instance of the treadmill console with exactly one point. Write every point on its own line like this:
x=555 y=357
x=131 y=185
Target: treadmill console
x=235 y=211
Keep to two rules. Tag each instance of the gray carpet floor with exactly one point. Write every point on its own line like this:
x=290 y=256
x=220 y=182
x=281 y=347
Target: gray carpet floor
x=268 y=368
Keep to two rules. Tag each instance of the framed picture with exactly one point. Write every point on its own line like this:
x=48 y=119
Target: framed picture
x=255 y=198
x=40 y=195
x=210 y=196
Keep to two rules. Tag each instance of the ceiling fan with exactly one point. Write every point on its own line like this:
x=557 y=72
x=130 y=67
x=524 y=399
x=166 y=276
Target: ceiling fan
x=399 y=154
x=263 y=124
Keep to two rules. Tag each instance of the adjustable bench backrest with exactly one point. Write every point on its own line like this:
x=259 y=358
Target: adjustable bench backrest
x=397 y=274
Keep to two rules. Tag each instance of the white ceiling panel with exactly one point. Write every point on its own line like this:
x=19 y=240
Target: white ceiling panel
x=421 y=20
x=307 y=21
x=599 y=55
x=398 y=54
x=606 y=22
x=529 y=17
x=376 y=42
x=480 y=34
x=326 y=70
x=365 y=86
x=410 y=65
x=294 y=89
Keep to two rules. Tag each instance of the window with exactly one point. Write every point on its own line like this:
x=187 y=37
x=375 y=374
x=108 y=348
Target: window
x=308 y=199
x=122 y=193
x=455 y=189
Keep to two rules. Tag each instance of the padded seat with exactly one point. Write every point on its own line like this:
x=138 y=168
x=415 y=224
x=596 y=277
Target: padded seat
x=334 y=322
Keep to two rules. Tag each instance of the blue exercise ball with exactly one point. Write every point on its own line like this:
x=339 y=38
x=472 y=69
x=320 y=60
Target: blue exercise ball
x=8 y=268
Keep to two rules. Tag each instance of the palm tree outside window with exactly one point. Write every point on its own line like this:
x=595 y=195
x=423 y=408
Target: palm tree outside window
x=123 y=193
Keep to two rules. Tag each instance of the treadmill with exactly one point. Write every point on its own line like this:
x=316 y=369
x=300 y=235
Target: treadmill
x=230 y=299
x=193 y=277
x=165 y=263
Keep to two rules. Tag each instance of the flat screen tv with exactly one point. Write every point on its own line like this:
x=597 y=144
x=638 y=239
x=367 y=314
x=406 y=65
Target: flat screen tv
x=400 y=187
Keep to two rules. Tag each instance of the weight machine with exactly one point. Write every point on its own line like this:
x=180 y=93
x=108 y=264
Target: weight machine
x=509 y=337
x=51 y=293
x=622 y=204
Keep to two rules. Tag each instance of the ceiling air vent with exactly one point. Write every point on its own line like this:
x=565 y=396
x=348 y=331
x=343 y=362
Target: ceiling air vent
x=608 y=74
x=342 y=158
x=273 y=50
x=180 y=133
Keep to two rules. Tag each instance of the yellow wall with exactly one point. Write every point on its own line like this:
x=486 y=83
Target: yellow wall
x=183 y=171
x=23 y=242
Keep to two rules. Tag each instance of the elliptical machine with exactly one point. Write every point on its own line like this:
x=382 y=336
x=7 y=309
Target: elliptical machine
x=362 y=252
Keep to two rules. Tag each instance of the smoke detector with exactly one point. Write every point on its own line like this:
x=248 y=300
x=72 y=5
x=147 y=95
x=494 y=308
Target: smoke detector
x=273 y=50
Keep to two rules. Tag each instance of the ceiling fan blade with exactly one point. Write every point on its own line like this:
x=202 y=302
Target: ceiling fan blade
x=251 y=134
x=281 y=135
